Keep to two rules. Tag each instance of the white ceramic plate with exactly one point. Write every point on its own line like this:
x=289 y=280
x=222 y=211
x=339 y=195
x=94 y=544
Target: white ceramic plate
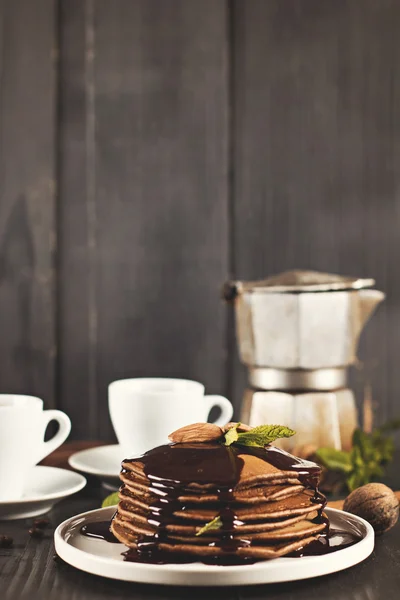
x=102 y=558
x=45 y=487
x=104 y=462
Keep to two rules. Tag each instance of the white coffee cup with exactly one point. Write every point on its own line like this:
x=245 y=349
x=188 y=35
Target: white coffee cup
x=23 y=424
x=145 y=411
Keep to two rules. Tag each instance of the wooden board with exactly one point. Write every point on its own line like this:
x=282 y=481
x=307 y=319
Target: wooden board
x=317 y=150
x=27 y=197
x=143 y=198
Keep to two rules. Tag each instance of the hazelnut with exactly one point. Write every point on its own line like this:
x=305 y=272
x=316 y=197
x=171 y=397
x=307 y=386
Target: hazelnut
x=376 y=503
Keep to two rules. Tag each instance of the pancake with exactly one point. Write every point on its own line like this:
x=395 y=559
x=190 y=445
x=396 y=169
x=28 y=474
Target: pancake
x=252 y=495
x=197 y=551
x=291 y=531
x=208 y=501
x=299 y=504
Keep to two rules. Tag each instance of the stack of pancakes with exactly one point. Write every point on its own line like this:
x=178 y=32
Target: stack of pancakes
x=267 y=513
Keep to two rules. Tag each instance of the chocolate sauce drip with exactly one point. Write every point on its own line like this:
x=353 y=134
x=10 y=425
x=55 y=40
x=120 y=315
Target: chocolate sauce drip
x=99 y=530
x=333 y=541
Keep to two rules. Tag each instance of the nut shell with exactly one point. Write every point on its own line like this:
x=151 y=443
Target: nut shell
x=196 y=432
x=376 y=503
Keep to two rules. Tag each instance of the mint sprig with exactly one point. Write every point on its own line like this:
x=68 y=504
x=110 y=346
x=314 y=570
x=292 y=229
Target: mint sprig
x=365 y=461
x=216 y=523
x=259 y=436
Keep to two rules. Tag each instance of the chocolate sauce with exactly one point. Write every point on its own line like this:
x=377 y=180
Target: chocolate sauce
x=307 y=472
x=179 y=464
x=99 y=530
x=326 y=544
x=173 y=469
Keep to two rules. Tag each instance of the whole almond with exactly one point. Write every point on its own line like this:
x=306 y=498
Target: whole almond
x=196 y=432
x=241 y=429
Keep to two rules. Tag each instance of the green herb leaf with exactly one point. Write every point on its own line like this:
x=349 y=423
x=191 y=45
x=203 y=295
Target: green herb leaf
x=214 y=524
x=111 y=500
x=263 y=434
x=231 y=436
x=335 y=460
x=364 y=463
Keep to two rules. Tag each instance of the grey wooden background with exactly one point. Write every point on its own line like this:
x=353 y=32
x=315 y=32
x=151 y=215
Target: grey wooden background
x=150 y=149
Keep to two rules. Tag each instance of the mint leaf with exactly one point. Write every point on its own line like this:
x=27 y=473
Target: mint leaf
x=214 y=524
x=111 y=500
x=335 y=460
x=262 y=435
x=231 y=436
x=364 y=463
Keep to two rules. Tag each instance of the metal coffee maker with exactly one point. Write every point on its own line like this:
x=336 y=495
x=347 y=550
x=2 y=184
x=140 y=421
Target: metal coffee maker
x=298 y=333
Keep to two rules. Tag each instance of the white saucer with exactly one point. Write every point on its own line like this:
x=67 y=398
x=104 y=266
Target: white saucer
x=45 y=487
x=103 y=558
x=103 y=461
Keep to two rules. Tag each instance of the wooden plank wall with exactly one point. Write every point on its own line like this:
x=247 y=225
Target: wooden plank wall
x=27 y=197
x=174 y=144
x=143 y=197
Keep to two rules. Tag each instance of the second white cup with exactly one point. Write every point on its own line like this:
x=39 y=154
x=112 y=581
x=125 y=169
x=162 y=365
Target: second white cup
x=144 y=411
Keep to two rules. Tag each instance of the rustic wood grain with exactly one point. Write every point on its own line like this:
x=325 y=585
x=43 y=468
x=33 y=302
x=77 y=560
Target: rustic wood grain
x=317 y=150
x=27 y=197
x=143 y=198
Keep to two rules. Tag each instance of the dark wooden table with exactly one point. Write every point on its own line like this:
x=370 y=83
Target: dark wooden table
x=29 y=569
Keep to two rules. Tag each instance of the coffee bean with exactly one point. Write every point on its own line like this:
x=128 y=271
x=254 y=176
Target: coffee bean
x=6 y=541
x=41 y=523
x=36 y=533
